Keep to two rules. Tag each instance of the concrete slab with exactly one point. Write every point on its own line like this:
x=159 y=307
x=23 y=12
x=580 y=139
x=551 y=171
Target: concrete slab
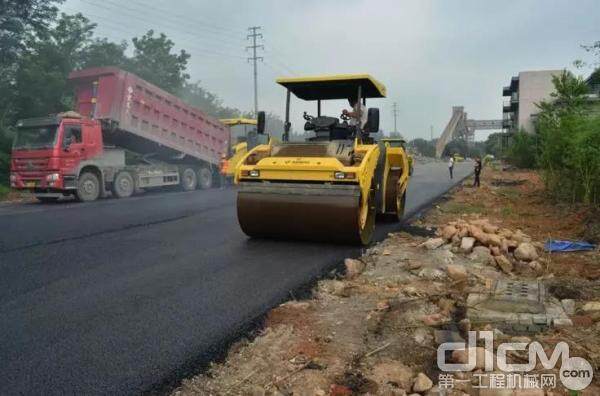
x=516 y=307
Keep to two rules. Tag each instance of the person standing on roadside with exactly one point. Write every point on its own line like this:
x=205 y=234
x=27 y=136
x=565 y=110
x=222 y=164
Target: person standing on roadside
x=223 y=168
x=477 y=169
x=451 y=166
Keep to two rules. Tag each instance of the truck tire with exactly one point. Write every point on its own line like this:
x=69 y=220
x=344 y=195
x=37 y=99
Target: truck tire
x=189 y=179
x=123 y=186
x=88 y=187
x=205 y=178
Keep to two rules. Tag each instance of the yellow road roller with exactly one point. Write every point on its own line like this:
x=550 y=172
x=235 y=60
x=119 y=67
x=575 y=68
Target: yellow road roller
x=331 y=186
x=243 y=137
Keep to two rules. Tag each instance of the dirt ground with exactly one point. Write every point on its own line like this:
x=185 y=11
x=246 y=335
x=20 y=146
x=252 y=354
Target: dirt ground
x=15 y=196
x=375 y=329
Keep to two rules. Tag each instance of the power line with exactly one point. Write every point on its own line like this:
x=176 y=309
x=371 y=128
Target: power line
x=163 y=22
x=253 y=36
x=275 y=69
x=161 y=15
x=188 y=44
x=216 y=45
x=278 y=57
x=277 y=60
x=237 y=33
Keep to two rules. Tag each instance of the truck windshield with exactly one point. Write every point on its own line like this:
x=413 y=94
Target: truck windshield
x=35 y=137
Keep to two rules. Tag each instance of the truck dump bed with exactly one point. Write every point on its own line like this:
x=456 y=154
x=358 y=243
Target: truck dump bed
x=147 y=118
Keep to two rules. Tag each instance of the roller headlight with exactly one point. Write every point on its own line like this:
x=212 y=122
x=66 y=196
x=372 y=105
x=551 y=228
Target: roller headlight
x=344 y=175
x=251 y=173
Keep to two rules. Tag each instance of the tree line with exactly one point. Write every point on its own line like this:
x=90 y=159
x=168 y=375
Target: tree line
x=39 y=47
x=566 y=145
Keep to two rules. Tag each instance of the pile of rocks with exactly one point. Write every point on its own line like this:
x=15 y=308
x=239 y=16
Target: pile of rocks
x=483 y=241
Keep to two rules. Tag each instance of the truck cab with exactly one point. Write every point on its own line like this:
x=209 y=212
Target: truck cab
x=49 y=154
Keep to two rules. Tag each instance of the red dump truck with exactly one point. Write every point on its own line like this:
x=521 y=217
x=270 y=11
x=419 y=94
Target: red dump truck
x=125 y=135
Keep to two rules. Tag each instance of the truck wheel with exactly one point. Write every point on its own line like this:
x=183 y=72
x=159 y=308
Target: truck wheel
x=123 y=186
x=88 y=187
x=205 y=179
x=189 y=179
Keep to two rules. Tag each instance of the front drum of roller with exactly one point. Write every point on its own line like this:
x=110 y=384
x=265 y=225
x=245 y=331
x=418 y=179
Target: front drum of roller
x=303 y=212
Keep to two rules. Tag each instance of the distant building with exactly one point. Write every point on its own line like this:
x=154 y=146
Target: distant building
x=524 y=91
x=593 y=82
x=592 y=107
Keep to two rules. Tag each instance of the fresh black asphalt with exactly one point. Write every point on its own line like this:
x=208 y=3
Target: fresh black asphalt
x=120 y=296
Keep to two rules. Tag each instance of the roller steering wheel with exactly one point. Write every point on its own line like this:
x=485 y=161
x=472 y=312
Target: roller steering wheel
x=307 y=116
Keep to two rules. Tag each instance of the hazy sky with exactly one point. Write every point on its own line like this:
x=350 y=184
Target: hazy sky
x=431 y=55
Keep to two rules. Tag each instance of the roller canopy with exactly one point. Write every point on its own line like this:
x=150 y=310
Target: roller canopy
x=340 y=86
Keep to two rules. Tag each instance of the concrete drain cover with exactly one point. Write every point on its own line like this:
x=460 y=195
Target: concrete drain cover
x=515 y=307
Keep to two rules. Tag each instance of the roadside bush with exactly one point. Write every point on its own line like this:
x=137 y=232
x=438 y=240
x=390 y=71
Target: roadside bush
x=5 y=145
x=583 y=160
x=522 y=152
x=569 y=143
x=4 y=190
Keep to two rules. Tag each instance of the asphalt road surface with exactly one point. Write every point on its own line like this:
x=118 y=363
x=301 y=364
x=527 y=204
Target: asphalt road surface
x=122 y=296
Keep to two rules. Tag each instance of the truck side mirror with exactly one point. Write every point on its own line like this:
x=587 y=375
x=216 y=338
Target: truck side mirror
x=372 y=120
x=260 y=122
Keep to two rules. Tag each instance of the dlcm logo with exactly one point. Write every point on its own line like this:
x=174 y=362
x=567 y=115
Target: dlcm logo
x=575 y=373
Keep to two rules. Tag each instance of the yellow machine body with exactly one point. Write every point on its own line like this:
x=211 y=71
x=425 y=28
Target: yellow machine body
x=239 y=149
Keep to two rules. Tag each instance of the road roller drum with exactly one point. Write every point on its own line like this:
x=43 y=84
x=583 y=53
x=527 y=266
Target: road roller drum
x=329 y=213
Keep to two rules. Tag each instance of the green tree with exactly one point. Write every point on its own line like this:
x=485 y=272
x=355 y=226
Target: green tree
x=395 y=135
x=101 y=52
x=457 y=146
x=585 y=158
x=19 y=20
x=424 y=147
x=569 y=142
x=493 y=144
x=41 y=78
x=568 y=96
x=522 y=151
x=195 y=95
x=154 y=61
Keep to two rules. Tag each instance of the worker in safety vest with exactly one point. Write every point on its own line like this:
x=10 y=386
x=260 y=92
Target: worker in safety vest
x=224 y=168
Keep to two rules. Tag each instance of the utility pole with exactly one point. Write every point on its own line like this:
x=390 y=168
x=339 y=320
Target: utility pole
x=431 y=133
x=395 y=112
x=253 y=36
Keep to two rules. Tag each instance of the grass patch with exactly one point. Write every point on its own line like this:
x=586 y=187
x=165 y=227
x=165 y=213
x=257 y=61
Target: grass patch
x=510 y=193
x=507 y=211
x=458 y=208
x=4 y=190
